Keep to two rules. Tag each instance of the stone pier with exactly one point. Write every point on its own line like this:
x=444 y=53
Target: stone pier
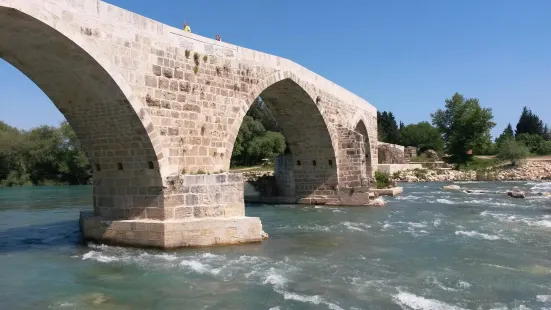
x=194 y=210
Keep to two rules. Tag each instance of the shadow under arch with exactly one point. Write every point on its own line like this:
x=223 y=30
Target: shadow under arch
x=113 y=131
x=309 y=172
x=362 y=129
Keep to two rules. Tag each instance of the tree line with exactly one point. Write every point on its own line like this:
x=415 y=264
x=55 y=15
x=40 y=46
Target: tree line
x=53 y=155
x=462 y=128
x=44 y=155
x=49 y=155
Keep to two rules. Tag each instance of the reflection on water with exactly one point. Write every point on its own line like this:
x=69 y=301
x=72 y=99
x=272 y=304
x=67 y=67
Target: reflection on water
x=428 y=249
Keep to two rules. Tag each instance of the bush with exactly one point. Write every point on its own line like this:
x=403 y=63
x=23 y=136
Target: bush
x=513 y=151
x=544 y=148
x=382 y=179
x=396 y=175
x=531 y=141
x=420 y=173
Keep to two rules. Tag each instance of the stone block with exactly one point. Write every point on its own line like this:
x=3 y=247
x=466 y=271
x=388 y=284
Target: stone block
x=183 y=213
x=208 y=211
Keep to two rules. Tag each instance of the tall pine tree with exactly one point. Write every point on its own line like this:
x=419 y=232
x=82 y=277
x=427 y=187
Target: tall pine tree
x=505 y=135
x=387 y=128
x=529 y=123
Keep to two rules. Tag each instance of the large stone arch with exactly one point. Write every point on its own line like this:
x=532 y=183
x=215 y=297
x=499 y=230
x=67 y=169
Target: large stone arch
x=90 y=92
x=310 y=171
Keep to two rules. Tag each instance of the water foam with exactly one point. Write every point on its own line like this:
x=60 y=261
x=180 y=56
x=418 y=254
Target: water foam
x=278 y=282
x=476 y=234
x=464 y=284
x=356 y=226
x=544 y=298
x=102 y=258
x=411 y=301
x=540 y=187
x=199 y=267
x=445 y=201
x=544 y=221
x=442 y=286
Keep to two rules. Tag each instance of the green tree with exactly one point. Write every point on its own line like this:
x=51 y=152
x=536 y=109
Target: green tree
x=423 y=136
x=529 y=123
x=513 y=151
x=546 y=133
x=544 y=148
x=387 y=128
x=43 y=155
x=260 y=112
x=75 y=166
x=532 y=141
x=465 y=126
x=254 y=143
x=266 y=146
x=506 y=134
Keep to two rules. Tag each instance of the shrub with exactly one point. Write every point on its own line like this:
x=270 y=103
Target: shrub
x=382 y=179
x=544 y=148
x=533 y=142
x=513 y=151
x=420 y=173
x=396 y=175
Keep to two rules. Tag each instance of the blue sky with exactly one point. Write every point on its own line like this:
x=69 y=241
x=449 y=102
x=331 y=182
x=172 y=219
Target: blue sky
x=403 y=56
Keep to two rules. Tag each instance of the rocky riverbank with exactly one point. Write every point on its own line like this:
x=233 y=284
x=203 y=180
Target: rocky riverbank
x=529 y=171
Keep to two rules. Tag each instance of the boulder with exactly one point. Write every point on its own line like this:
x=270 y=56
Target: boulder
x=264 y=235
x=431 y=154
x=451 y=187
x=516 y=193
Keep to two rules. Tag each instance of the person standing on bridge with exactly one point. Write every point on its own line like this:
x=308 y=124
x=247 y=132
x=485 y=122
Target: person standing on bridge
x=218 y=38
x=187 y=28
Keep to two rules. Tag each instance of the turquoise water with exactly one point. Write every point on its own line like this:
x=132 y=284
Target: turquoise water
x=427 y=249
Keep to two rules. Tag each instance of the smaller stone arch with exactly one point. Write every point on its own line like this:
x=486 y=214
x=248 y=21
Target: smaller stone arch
x=361 y=128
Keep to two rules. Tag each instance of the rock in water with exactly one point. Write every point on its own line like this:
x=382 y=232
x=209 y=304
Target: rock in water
x=516 y=193
x=452 y=187
x=475 y=191
x=264 y=235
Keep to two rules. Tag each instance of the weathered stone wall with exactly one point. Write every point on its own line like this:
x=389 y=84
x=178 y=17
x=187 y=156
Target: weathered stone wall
x=391 y=154
x=409 y=152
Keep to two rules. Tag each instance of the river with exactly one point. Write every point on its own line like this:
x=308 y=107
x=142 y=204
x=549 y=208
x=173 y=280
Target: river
x=427 y=249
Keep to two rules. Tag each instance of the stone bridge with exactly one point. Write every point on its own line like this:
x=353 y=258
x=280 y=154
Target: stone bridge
x=158 y=110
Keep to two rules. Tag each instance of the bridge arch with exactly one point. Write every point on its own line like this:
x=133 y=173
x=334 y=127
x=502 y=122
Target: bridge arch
x=311 y=167
x=111 y=123
x=361 y=128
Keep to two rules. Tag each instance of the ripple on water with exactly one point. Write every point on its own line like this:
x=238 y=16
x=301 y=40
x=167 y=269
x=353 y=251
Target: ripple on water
x=475 y=234
x=539 y=221
x=412 y=301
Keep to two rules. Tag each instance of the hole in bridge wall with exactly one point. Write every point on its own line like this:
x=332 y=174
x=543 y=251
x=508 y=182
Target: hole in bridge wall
x=150 y=165
x=330 y=162
x=314 y=162
x=298 y=163
x=119 y=166
x=98 y=167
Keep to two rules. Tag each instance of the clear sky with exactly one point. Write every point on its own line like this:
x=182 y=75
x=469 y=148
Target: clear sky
x=403 y=56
